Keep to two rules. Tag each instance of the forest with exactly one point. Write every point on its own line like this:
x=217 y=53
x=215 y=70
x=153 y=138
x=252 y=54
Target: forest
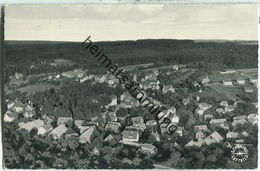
x=20 y=56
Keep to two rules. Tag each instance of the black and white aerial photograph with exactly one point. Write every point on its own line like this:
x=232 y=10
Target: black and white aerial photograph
x=129 y=86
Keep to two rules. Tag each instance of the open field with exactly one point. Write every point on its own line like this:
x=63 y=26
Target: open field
x=186 y=74
x=58 y=62
x=131 y=67
x=240 y=74
x=233 y=77
x=221 y=92
x=252 y=73
x=31 y=89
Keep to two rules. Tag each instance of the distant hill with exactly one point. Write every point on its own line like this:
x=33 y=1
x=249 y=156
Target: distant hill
x=29 y=42
x=233 y=54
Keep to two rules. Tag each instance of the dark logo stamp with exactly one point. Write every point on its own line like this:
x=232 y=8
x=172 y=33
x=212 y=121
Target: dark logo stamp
x=239 y=153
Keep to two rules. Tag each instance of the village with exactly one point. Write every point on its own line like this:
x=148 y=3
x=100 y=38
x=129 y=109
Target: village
x=209 y=118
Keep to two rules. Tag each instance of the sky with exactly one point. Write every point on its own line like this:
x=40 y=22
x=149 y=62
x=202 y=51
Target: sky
x=130 y=22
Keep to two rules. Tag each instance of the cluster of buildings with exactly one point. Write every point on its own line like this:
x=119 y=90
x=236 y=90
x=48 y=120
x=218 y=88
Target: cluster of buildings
x=244 y=81
x=213 y=116
x=206 y=134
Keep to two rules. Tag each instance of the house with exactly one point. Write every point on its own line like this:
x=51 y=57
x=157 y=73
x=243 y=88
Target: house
x=47 y=119
x=136 y=120
x=110 y=81
x=100 y=79
x=135 y=77
x=62 y=120
x=208 y=116
x=113 y=127
x=148 y=149
x=147 y=84
x=90 y=122
x=229 y=108
x=111 y=137
x=199 y=112
x=110 y=116
x=253 y=80
x=200 y=135
x=232 y=135
x=252 y=118
x=155 y=85
x=179 y=131
x=58 y=131
x=185 y=101
x=221 y=123
x=45 y=129
x=224 y=103
x=18 y=107
x=10 y=116
x=68 y=74
x=175 y=119
x=201 y=128
x=130 y=135
x=95 y=151
x=86 y=135
x=197 y=98
x=227 y=145
x=156 y=136
x=241 y=81
x=10 y=105
x=193 y=143
x=29 y=108
x=220 y=110
x=78 y=123
x=18 y=75
x=139 y=126
x=29 y=112
x=30 y=125
x=239 y=117
x=113 y=101
x=204 y=106
x=215 y=137
x=57 y=76
x=196 y=84
x=244 y=134
x=83 y=128
x=255 y=104
x=155 y=72
x=228 y=72
x=50 y=77
x=239 y=120
x=151 y=124
x=249 y=90
x=227 y=83
x=71 y=136
x=205 y=81
x=167 y=88
x=240 y=141
x=175 y=67
x=172 y=110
